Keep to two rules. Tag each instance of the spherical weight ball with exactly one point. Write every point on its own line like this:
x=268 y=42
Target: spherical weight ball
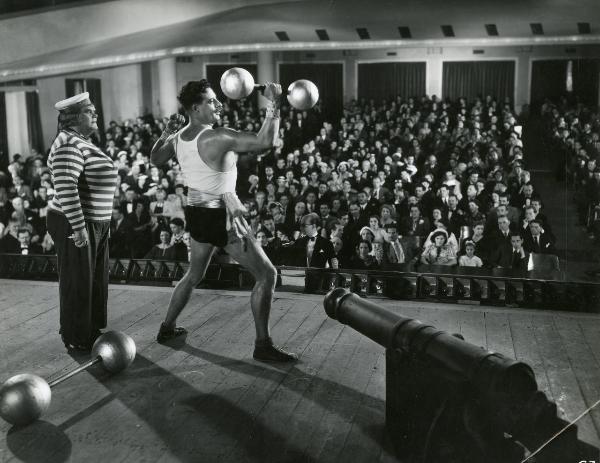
x=116 y=349
x=303 y=94
x=24 y=398
x=237 y=83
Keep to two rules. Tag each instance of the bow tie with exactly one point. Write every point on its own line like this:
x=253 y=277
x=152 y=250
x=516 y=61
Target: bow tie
x=312 y=238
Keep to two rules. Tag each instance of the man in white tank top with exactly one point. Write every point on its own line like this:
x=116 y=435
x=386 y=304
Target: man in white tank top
x=214 y=214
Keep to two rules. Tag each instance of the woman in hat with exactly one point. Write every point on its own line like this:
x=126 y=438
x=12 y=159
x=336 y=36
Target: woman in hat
x=439 y=252
x=78 y=221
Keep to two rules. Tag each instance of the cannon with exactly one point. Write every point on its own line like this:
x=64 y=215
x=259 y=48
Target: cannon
x=450 y=401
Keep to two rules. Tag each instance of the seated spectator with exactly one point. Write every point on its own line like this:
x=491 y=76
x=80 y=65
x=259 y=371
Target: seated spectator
x=511 y=255
x=393 y=252
x=414 y=225
x=121 y=235
x=162 y=250
x=366 y=234
x=26 y=247
x=141 y=237
x=379 y=234
x=338 y=260
x=177 y=239
x=267 y=247
x=5 y=206
x=473 y=215
x=451 y=238
x=537 y=241
x=311 y=249
x=157 y=207
x=10 y=240
x=469 y=259
x=26 y=217
x=20 y=190
x=439 y=252
x=362 y=259
x=387 y=216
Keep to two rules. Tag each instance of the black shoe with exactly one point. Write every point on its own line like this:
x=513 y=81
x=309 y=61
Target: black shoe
x=166 y=334
x=76 y=347
x=266 y=351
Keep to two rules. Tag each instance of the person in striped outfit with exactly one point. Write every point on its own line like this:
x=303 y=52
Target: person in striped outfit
x=78 y=221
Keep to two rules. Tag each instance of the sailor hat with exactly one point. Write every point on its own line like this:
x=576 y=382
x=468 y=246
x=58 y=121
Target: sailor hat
x=82 y=99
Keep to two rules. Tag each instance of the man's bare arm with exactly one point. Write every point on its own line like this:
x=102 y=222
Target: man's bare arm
x=163 y=149
x=268 y=133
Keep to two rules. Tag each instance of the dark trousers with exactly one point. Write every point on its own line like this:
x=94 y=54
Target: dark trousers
x=82 y=278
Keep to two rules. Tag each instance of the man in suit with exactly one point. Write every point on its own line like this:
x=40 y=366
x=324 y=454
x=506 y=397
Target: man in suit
x=120 y=234
x=415 y=224
x=312 y=250
x=453 y=215
x=380 y=193
x=538 y=242
x=10 y=242
x=511 y=255
x=393 y=252
x=26 y=247
x=293 y=222
x=367 y=207
x=511 y=212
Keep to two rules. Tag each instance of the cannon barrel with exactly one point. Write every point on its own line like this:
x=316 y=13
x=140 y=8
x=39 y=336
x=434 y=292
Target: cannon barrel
x=490 y=373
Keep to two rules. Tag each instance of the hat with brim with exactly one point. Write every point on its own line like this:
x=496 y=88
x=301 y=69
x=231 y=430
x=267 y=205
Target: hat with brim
x=437 y=233
x=73 y=103
x=343 y=163
x=368 y=229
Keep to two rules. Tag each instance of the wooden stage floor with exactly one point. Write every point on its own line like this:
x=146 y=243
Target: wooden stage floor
x=206 y=400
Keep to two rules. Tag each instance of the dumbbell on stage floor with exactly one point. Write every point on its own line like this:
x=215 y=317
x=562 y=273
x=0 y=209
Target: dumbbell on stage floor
x=24 y=398
x=238 y=83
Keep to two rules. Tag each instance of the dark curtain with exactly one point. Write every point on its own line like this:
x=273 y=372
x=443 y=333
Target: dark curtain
x=215 y=71
x=381 y=81
x=3 y=135
x=94 y=87
x=548 y=80
x=74 y=86
x=328 y=77
x=585 y=80
x=472 y=79
x=34 y=121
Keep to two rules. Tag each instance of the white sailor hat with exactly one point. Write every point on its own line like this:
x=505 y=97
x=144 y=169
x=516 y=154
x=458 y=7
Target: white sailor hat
x=82 y=99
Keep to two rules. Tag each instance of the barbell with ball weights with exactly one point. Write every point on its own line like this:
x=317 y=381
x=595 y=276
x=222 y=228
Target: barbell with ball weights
x=238 y=83
x=25 y=397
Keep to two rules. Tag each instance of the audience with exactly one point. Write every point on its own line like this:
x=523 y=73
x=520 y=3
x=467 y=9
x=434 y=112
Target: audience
x=369 y=187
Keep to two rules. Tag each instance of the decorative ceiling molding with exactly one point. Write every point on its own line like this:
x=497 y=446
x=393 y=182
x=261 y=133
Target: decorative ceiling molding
x=44 y=70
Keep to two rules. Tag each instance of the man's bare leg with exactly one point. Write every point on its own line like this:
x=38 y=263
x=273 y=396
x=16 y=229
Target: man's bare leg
x=255 y=260
x=200 y=259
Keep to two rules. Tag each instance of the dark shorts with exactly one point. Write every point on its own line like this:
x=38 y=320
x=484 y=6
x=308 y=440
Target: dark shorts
x=208 y=225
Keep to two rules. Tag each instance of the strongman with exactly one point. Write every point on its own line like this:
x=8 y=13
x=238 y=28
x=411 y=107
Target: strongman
x=214 y=214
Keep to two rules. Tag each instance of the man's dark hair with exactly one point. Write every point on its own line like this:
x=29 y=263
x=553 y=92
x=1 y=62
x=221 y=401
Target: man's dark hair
x=178 y=222
x=193 y=93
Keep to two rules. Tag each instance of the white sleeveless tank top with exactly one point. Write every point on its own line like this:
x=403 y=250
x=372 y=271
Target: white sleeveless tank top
x=197 y=174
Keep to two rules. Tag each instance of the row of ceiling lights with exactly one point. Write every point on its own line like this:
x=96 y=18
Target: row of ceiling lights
x=447 y=30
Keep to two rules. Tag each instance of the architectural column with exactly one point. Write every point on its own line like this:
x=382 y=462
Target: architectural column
x=167 y=84
x=434 y=76
x=17 y=130
x=522 y=84
x=265 y=65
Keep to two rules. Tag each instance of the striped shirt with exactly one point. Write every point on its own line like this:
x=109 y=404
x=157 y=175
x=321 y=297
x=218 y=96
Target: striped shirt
x=84 y=178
